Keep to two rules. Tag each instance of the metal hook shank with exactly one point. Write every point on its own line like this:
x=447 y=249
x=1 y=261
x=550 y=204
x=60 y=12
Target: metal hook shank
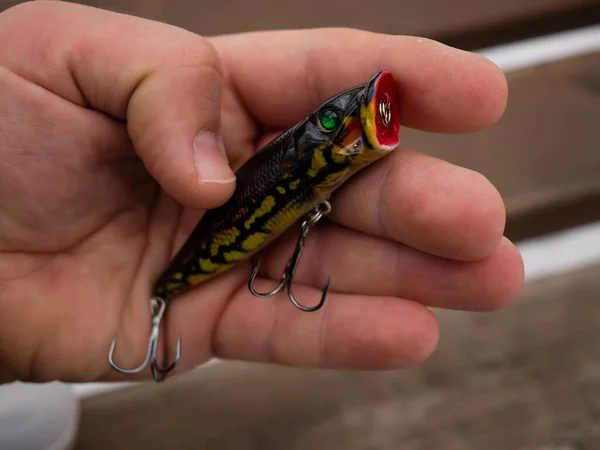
x=158 y=306
x=290 y=269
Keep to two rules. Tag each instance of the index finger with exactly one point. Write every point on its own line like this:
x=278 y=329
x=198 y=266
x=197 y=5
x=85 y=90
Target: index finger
x=283 y=75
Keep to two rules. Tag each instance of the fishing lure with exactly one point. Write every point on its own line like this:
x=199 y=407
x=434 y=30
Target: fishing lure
x=291 y=178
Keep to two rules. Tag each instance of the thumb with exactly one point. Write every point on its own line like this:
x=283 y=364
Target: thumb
x=165 y=82
x=174 y=121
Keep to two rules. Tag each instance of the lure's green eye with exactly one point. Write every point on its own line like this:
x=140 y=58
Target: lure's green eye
x=329 y=119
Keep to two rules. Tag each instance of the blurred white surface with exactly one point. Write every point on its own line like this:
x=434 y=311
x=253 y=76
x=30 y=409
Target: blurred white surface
x=544 y=49
x=561 y=252
x=38 y=416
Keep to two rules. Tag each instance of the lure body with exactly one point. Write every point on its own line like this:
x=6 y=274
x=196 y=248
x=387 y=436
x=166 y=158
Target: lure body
x=288 y=178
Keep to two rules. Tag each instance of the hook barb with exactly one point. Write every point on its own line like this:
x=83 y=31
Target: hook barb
x=158 y=306
x=288 y=274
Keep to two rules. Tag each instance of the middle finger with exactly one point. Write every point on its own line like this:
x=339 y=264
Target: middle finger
x=424 y=202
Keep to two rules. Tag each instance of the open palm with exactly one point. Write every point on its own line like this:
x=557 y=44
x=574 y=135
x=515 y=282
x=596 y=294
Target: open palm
x=101 y=181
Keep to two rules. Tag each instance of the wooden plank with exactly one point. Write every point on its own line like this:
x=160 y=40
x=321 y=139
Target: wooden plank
x=526 y=378
x=467 y=23
x=543 y=155
x=566 y=16
x=403 y=17
x=462 y=23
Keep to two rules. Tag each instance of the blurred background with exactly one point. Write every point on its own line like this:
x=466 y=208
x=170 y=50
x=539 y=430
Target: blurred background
x=527 y=377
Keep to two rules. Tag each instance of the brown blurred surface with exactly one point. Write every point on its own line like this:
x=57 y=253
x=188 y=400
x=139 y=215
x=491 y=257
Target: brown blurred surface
x=526 y=378
x=230 y=16
x=464 y=23
x=431 y=18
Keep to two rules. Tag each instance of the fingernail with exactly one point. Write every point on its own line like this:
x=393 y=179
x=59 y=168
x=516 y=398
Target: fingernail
x=210 y=159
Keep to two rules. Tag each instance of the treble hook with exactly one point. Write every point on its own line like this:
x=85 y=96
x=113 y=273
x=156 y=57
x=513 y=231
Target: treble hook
x=157 y=306
x=311 y=220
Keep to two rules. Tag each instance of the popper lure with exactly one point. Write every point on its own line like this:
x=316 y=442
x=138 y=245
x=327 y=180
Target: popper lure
x=290 y=179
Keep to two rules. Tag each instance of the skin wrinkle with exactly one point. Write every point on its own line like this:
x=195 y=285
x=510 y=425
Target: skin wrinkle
x=32 y=272
x=499 y=294
x=98 y=115
x=86 y=236
x=83 y=102
x=162 y=252
x=206 y=95
x=270 y=351
x=239 y=159
x=32 y=83
x=80 y=68
x=128 y=99
x=216 y=348
x=229 y=81
x=397 y=263
x=209 y=58
x=139 y=282
x=311 y=85
x=130 y=308
x=62 y=55
x=383 y=197
x=323 y=355
x=172 y=247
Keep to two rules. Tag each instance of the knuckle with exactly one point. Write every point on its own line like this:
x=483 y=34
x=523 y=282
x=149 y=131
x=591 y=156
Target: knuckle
x=197 y=52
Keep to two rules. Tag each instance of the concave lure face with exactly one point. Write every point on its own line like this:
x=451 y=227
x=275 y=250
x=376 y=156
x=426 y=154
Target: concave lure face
x=288 y=178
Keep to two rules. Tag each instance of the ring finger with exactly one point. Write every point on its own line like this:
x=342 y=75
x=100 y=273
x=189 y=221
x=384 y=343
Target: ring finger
x=361 y=264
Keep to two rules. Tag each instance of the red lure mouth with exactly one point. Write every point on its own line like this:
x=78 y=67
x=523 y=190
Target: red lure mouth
x=387 y=110
x=380 y=116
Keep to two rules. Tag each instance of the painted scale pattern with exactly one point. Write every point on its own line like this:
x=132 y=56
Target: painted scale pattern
x=275 y=188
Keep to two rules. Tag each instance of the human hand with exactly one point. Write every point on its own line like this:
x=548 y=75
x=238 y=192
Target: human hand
x=97 y=123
